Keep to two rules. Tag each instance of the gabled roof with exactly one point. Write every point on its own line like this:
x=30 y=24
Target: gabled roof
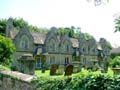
x=40 y=38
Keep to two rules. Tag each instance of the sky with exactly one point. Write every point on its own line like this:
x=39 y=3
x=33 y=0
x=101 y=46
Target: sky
x=95 y=20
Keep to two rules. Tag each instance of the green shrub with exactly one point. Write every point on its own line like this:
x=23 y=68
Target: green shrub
x=82 y=81
x=116 y=62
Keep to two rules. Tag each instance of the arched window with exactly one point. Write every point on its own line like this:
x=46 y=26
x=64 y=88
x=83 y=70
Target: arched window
x=24 y=42
x=66 y=46
x=52 y=45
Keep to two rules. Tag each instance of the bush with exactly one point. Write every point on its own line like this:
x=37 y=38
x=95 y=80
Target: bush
x=82 y=81
x=116 y=62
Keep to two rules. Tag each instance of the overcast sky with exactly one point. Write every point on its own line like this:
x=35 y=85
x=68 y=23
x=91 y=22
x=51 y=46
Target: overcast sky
x=98 y=21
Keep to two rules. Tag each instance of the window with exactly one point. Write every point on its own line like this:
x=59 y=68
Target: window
x=52 y=45
x=67 y=48
x=24 y=42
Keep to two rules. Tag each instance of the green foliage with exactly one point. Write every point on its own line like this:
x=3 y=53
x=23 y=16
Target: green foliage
x=113 y=55
x=61 y=31
x=3 y=68
x=70 y=31
x=6 y=49
x=19 y=23
x=85 y=80
x=2 y=26
x=87 y=36
x=115 y=62
x=109 y=45
x=66 y=31
x=77 y=32
x=117 y=25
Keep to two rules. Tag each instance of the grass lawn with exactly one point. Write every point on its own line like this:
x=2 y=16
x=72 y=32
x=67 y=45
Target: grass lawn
x=4 y=68
x=38 y=73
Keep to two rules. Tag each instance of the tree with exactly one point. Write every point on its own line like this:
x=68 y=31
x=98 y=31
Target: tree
x=6 y=49
x=87 y=36
x=61 y=31
x=19 y=23
x=117 y=24
x=71 y=31
x=2 y=26
x=98 y=2
x=116 y=62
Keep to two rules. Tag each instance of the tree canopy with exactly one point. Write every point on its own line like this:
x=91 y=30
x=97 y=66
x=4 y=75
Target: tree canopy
x=87 y=36
x=2 y=26
x=70 y=31
x=19 y=23
x=6 y=49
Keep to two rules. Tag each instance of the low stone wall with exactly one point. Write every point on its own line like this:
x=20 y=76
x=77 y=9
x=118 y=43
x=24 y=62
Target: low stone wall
x=12 y=80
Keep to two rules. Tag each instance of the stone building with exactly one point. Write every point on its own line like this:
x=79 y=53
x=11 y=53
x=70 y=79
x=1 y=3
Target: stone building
x=50 y=48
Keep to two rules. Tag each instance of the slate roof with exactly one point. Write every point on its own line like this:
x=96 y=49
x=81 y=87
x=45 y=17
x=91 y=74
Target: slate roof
x=115 y=50
x=40 y=38
x=13 y=33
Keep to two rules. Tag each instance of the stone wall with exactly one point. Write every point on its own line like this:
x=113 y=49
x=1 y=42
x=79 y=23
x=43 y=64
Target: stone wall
x=10 y=80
